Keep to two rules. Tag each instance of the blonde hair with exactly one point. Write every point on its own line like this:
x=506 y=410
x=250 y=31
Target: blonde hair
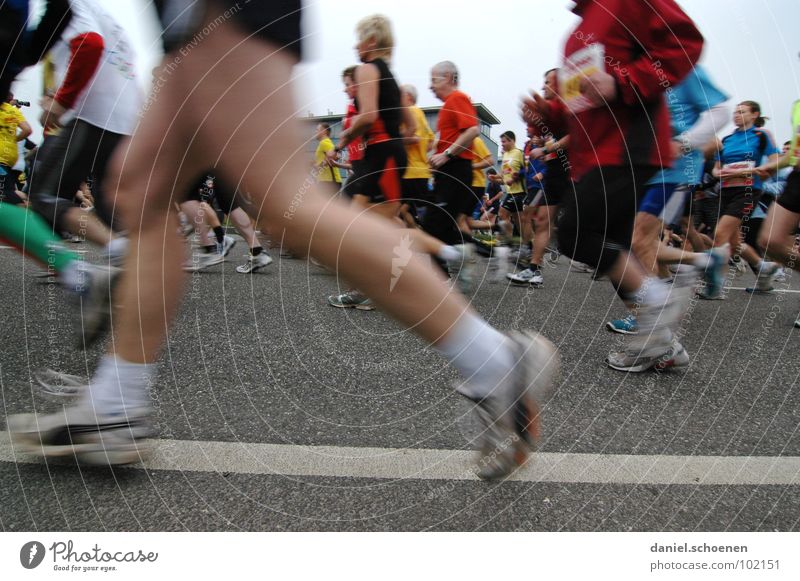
x=379 y=29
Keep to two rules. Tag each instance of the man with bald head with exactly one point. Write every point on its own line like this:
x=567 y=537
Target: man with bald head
x=452 y=163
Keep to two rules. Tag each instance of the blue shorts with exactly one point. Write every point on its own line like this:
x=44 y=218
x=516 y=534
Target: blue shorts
x=664 y=201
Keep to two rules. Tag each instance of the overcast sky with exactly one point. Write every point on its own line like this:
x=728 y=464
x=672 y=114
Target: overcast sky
x=502 y=49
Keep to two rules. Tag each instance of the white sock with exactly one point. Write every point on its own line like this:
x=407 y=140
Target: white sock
x=117 y=247
x=119 y=387
x=701 y=260
x=480 y=353
x=450 y=253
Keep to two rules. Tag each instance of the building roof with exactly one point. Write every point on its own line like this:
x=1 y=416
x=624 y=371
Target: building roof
x=484 y=115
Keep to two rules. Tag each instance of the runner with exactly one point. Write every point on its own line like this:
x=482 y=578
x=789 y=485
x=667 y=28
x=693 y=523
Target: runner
x=505 y=376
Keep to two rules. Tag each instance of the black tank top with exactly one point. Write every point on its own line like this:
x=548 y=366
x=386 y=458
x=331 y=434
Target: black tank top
x=387 y=126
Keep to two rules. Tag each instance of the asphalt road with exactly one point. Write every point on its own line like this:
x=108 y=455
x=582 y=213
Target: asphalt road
x=262 y=360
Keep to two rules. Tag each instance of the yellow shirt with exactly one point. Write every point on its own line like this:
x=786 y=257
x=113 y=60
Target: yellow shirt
x=417 y=153
x=479 y=153
x=325 y=173
x=10 y=118
x=795 y=145
x=512 y=163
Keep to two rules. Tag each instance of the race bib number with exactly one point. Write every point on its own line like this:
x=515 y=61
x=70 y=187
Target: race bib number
x=739 y=182
x=576 y=67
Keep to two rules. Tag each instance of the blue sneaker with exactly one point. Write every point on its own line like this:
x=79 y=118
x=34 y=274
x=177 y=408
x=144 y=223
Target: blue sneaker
x=714 y=275
x=626 y=326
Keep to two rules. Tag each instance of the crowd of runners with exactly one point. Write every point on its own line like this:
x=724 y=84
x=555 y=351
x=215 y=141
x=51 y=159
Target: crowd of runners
x=626 y=170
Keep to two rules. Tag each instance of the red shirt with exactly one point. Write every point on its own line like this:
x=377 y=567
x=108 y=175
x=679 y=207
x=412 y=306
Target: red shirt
x=648 y=47
x=355 y=148
x=457 y=115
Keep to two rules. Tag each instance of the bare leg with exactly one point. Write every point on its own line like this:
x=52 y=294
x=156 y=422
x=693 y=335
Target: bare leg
x=79 y=222
x=777 y=235
x=543 y=218
x=244 y=226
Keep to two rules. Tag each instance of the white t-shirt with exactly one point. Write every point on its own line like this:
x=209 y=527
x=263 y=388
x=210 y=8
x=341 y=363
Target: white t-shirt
x=112 y=99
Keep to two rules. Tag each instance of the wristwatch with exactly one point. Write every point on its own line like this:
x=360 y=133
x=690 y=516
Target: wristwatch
x=449 y=153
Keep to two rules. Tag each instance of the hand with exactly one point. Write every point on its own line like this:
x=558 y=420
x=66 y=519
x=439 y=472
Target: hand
x=538 y=153
x=533 y=108
x=330 y=157
x=438 y=160
x=763 y=172
x=599 y=87
x=52 y=111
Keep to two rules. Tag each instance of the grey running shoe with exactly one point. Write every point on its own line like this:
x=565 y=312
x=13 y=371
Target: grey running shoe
x=677 y=359
x=226 y=245
x=509 y=415
x=77 y=432
x=351 y=300
x=766 y=276
x=576 y=266
x=529 y=276
x=94 y=302
x=498 y=264
x=462 y=268
x=254 y=263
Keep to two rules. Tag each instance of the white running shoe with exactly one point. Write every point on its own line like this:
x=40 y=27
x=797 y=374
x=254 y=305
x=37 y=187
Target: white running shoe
x=509 y=415
x=498 y=264
x=766 y=276
x=529 y=276
x=254 y=263
x=75 y=431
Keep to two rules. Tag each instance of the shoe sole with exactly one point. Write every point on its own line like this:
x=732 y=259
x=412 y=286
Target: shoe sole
x=642 y=367
x=357 y=307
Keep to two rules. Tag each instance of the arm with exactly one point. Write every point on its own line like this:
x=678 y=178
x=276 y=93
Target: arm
x=86 y=51
x=484 y=163
x=367 y=77
x=461 y=144
x=24 y=131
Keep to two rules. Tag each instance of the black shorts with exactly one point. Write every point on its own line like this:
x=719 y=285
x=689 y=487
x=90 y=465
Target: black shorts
x=384 y=164
x=738 y=202
x=514 y=203
x=790 y=198
x=416 y=192
x=555 y=188
x=350 y=187
x=277 y=21
x=477 y=198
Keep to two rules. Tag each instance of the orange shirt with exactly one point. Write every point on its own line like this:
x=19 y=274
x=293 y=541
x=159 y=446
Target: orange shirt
x=457 y=114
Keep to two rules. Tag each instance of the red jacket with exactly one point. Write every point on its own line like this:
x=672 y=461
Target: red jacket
x=649 y=47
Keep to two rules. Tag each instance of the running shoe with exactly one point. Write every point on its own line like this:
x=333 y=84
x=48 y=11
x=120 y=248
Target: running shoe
x=766 y=276
x=254 y=263
x=58 y=386
x=624 y=326
x=200 y=262
x=780 y=275
x=677 y=359
x=509 y=415
x=521 y=256
x=714 y=275
x=351 y=300
x=462 y=267
x=576 y=266
x=529 y=276
x=654 y=342
x=116 y=258
x=797 y=323
x=76 y=431
x=227 y=244
x=498 y=264
x=94 y=302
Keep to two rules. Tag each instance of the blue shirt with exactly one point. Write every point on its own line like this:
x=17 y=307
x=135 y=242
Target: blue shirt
x=695 y=95
x=533 y=167
x=746 y=146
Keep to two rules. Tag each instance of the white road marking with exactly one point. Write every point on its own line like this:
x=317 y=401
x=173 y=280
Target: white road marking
x=427 y=464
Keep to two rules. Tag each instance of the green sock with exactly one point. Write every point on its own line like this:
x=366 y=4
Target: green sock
x=30 y=233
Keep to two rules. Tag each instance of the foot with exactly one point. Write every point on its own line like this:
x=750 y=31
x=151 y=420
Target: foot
x=351 y=300
x=462 y=268
x=624 y=326
x=94 y=302
x=529 y=276
x=510 y=413
x=254 y=263
x=77 y=432
x=498 y=264
x=766 y=276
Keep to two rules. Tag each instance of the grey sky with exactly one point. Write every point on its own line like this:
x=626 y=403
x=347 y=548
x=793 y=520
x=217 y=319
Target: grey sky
x=751 y=49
